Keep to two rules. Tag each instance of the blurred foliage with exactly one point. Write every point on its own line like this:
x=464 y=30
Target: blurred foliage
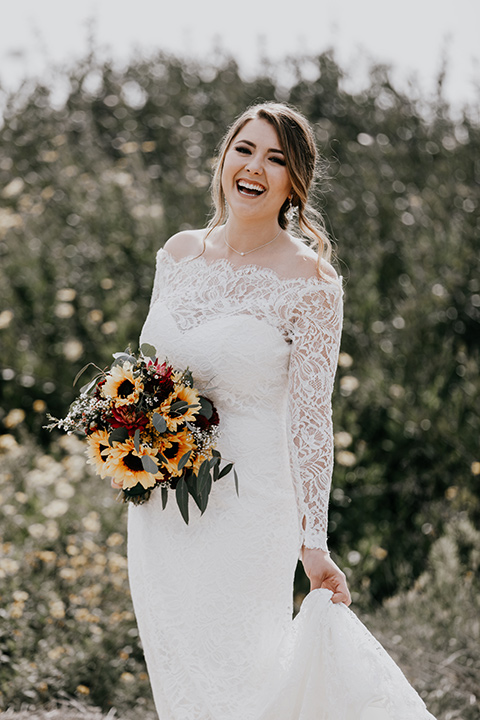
x=91 y=189
x=68 y=632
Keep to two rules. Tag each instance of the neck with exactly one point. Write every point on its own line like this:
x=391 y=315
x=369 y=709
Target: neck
x=245 y=236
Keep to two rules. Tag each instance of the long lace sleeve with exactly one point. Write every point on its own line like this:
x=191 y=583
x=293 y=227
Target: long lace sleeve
x=313 y=364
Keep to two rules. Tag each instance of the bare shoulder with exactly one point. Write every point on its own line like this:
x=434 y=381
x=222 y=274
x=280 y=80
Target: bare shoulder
x=185 y=243
x=303 y=262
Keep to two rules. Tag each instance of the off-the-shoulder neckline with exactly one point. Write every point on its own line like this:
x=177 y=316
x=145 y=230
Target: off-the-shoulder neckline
x=249 y=268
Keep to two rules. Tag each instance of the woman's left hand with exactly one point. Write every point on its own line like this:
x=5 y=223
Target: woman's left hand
x=323 y=573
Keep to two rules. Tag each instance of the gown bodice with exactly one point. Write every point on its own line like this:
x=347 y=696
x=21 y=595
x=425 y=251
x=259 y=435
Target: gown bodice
x=264 y=348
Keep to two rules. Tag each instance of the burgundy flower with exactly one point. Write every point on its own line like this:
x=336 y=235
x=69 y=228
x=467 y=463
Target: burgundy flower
x=127 y=417
x=159 y=383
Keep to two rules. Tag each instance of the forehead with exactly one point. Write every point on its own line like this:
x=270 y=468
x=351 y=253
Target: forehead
x=259 y=131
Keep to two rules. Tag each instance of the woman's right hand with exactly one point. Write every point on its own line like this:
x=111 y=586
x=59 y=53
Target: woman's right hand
x=324 y=573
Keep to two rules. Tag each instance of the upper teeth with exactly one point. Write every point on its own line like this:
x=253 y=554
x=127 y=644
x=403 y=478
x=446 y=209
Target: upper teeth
x=250 y=186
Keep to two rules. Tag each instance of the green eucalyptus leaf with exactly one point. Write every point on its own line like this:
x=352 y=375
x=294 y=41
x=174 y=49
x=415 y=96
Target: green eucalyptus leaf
x=159 y=422
x=118 y=435
x=203 y=476
x=206 y=408
x=225 y=470
x=213 y=462
x=191 y=480
x=164 y=496
x=89 y=386
x=181 y=492
x=205 y=494
x=235 y=477
x=149 y=465
x=148 y=350
x=136 y=440
x=122 y=357
x=187 y=378
x=184 y=459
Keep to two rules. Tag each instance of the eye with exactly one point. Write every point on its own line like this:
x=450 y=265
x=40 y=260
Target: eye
x=242 y=149
x=278 y=160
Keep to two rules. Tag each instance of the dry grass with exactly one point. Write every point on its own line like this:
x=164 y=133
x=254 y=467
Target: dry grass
x=70 y=711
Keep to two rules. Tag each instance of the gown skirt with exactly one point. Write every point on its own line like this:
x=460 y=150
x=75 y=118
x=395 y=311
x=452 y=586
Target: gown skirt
x=213 y=599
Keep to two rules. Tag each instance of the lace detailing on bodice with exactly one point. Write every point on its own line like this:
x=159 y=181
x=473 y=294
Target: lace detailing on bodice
x=307 y=312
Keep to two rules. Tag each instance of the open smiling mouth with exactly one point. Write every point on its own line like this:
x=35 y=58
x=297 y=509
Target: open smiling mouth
x=249 y=189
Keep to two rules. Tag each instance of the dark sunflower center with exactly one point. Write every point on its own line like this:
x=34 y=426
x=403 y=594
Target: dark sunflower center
x=125 y=389
x=171 y=452
x=133 y=463
x=101 y=448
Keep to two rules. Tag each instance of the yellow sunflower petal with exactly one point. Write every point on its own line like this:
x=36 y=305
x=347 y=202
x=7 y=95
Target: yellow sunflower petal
x=124 y=465
x=175 y=449
x=97 y=451
x=121 y=386
x=188 y=395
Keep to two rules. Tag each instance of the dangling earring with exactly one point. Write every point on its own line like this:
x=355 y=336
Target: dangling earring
x=290 y=214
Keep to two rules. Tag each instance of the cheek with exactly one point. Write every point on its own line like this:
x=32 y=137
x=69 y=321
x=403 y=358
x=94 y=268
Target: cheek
x=228 y=171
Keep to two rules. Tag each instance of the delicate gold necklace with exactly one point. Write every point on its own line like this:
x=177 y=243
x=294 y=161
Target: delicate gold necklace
x=247 y=252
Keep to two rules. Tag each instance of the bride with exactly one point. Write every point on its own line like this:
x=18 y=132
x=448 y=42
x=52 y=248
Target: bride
x=256 y=314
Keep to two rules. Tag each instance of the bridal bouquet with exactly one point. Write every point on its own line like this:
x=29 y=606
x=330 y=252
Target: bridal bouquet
x=148 y=427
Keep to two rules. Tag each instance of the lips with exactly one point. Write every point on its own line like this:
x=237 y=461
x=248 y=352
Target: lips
x=250 y=189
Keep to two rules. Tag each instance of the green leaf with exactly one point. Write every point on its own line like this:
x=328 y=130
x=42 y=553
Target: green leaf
x=148 y=350
x=203 y=476
x=191 y=480
x=184 y=459
x=206 y=408
x=180 y=406
x=89 y=386
x=187 y=378
x=159 y=422
x=235 y=477
x=136 y=440
x=122 y=357
x=118 y=435
x=164 y=496
x=213 y=462
x=149 y=465
x=181 y=492
x=205 y=495
x=224 y=471
x=80 y=373
x=215 y=453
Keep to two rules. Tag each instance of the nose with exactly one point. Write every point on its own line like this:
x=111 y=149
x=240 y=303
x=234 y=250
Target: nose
x=254 y=164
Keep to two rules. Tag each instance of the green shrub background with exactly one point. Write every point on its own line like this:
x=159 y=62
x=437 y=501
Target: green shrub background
x=89 y=190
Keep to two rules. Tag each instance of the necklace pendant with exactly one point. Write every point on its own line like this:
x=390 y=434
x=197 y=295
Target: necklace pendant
x=242 y=254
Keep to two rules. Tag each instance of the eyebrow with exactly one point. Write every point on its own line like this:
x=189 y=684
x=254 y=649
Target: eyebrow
x=248 y=142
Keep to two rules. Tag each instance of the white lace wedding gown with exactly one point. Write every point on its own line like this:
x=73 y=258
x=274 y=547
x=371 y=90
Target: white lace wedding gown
x=213 y=599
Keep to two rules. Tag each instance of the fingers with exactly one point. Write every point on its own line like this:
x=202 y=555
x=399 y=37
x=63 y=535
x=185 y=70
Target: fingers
x=342 y=597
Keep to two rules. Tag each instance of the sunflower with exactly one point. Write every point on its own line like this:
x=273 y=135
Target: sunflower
x=124 y=465
x=174 y=418
x=176 y=446
x=98 y=450
x=121 y=386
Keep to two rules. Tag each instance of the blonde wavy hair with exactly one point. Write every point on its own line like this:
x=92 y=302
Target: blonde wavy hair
x=298 y=144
